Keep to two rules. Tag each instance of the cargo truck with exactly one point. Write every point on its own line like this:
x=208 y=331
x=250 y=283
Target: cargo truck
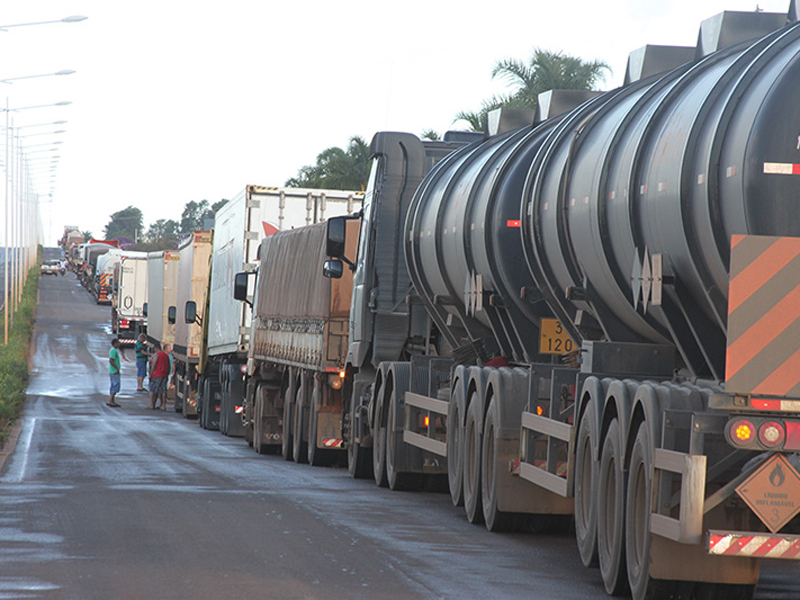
x=103 y=286
x=239 y=226
x=292 y=399
x=651 y=233
x=87 y=264
x=194 y=269
x=130 y=294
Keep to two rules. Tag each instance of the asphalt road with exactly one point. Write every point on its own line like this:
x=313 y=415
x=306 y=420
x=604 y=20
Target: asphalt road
x=124 y=503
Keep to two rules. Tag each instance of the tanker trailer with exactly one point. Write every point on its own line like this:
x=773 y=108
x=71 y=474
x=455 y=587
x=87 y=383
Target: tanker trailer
x=654 y=222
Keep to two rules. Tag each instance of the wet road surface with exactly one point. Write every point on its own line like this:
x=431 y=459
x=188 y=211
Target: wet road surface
x=98 y=502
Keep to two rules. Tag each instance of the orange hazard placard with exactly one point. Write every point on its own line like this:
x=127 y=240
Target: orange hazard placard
x=553 y=338
x=773 y=492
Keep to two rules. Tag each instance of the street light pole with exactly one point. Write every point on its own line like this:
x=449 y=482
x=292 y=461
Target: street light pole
x=6 y=307
x=9 y=169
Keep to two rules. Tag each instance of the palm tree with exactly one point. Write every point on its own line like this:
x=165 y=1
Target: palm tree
x=544 y=71
x=336 y=168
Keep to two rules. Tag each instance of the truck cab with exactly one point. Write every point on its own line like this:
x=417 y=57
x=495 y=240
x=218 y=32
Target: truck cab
x=385 y=324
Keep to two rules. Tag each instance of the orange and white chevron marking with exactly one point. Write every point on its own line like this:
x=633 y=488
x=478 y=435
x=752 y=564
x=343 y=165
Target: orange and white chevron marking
x=763 y=355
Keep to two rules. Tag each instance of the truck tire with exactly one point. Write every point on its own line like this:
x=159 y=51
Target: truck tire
x=287 y=440
x=472 y=461
x=379 y=439
x=257 y=423
x=317 y=457
x=456 y=409
x=359 y=461
x=586 y=469
x=401 y=481
x=209 y=418
x=611 y=513
x=234 y=427
x=637 y=526
x=203 y=405
x=299 y=448
x=496 y=520
x=224 y=396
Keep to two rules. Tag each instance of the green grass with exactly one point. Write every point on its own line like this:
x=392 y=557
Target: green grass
x=14 y=356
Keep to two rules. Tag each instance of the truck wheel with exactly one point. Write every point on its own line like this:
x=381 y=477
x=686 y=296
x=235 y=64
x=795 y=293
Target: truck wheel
x=202 y=404
x=208 y=417
x=233 y=420
x=455 y=444
x=586 y=489
x=472 y=462
x=379 y=440
x=227 y=411
x=258 y=411
x=359 y=461
x=496 y=520
x=637 y=514
x=299 y=448
x=287 y=440
x=611 y=514
x=637 y=526
x=318 y=457
x=398 y=480
x=223 y=401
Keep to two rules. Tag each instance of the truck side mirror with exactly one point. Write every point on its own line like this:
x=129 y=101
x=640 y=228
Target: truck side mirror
x=337 y=227
x=172 y=315
x=144 y=309
x=190 y=314
x=240 y=281
x=333 y=268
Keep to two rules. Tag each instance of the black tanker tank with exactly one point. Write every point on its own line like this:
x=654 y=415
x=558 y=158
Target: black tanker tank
x=617 y=217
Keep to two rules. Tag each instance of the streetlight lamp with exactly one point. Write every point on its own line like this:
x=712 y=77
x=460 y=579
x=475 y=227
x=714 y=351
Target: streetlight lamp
x=73 y=19
x=56 y=132
x=7 y=110
x=41 y=124
x=10 y=80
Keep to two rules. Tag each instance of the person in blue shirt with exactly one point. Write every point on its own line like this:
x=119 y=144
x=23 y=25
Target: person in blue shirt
x=141 y=361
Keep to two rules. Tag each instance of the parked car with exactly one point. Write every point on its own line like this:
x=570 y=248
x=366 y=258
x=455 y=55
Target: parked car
x=51 y=267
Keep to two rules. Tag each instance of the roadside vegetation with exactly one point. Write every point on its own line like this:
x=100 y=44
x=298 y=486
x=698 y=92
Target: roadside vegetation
x=14 y=356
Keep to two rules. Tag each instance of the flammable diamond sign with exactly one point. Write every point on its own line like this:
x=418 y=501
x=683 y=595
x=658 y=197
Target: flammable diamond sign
x=773 y=492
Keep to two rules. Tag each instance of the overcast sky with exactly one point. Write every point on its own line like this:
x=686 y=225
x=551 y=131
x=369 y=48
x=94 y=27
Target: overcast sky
x=179 y=100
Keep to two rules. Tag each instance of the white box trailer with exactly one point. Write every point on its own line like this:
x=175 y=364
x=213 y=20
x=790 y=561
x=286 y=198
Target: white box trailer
x=162 y=293
x=239 y=227
x=130 y=294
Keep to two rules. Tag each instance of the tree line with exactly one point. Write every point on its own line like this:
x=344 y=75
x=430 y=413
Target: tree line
x=127 y=225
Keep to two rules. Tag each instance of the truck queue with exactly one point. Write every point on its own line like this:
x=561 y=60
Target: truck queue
x=582 y=317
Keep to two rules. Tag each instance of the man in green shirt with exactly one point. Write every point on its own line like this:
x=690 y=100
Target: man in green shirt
x=114 y=371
